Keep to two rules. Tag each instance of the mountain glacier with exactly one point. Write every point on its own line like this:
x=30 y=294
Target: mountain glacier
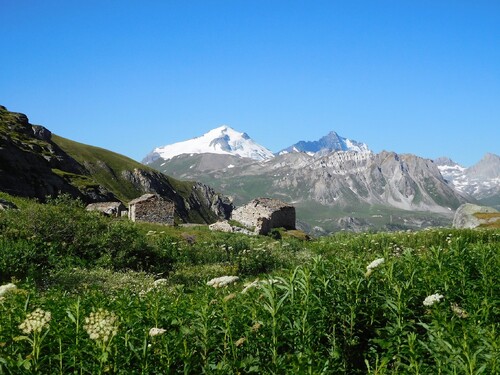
x=222 y=140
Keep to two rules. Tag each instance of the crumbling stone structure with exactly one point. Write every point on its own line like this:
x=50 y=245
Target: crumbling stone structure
x=264 y=214
x=114 y=209
x=152 y=208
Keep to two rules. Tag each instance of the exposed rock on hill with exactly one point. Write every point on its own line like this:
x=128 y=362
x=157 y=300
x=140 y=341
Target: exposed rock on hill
x=6 y=205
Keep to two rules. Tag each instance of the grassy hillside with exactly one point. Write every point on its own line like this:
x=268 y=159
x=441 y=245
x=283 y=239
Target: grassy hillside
x=80 y=293
x=107 y=169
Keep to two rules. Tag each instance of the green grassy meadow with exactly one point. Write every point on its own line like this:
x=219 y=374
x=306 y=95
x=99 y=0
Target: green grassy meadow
x=85 y=294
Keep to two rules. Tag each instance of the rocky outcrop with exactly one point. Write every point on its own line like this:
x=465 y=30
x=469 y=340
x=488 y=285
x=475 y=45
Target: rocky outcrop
x=6 y=205
x=473 y=216
x=219 y=204
x=41 y=133
x=264 y=214
x=32 y=165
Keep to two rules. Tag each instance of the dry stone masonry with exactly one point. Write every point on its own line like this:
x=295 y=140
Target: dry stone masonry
x=152 y=208
x=264 y=214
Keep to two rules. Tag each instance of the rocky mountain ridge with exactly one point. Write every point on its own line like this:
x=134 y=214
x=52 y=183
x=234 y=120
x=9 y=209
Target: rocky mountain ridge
x=224 y=140
x=359 y=188
x=329 y=143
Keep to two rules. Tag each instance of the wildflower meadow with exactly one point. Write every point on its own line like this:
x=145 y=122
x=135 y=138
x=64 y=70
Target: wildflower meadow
x=211 y=303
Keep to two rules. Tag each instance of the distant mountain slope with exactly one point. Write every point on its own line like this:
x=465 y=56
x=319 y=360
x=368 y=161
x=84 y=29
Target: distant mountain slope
x=338 y=184
x=330 y=142
x=222 y=140
x=36 y=163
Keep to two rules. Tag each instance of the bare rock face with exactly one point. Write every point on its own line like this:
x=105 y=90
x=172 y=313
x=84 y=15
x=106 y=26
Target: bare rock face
x=472 y=216
x=264 y=214
x=6 y=205
x=41 y=133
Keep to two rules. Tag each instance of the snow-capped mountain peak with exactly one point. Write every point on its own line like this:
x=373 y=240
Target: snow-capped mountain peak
x=330 y=142
x=221 y=140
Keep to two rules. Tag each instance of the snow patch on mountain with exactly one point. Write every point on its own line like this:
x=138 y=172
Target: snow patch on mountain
x=480 y=180
x=221 y=140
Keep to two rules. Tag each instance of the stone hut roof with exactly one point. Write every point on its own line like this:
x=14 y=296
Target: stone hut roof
x=144 y=198
x=272 y=203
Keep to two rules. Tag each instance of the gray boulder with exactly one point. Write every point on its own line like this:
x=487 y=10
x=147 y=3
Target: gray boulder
x=472 y=216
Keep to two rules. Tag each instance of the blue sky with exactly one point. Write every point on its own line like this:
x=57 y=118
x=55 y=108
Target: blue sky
x=418 y=77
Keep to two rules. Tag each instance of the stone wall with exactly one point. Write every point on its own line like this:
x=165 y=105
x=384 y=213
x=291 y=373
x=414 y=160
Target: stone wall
x=153 y=209
x=264 y=214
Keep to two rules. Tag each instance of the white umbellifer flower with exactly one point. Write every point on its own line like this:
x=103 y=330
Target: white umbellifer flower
x=258 y=283
x=248 y=286
x=4 y=289
x=432 y=299
x=156 y=331
x=160 y=282
x=219 y=282
x=375 y=264
x=35 y=321
x=458 y=311
x=270 y=281
x=101 y=325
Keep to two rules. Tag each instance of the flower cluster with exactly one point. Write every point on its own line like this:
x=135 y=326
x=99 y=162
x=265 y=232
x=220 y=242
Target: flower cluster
x=156 y=331
x=257 y=284
x=373 y=265
x=219 y=282
x=4 y=289
x=458 y=311
x=248 y=286
x=240 y=341
x=160 y=282
x=432 y=299
x=229 y=297
x=35 y=321
x=101 y=325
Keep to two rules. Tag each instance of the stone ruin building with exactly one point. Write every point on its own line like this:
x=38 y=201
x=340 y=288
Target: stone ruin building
x=264 y=214
x=114 y=209
x=152 y=208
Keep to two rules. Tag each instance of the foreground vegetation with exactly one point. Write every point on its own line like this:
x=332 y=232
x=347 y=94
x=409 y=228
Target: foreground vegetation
x=86 y=294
